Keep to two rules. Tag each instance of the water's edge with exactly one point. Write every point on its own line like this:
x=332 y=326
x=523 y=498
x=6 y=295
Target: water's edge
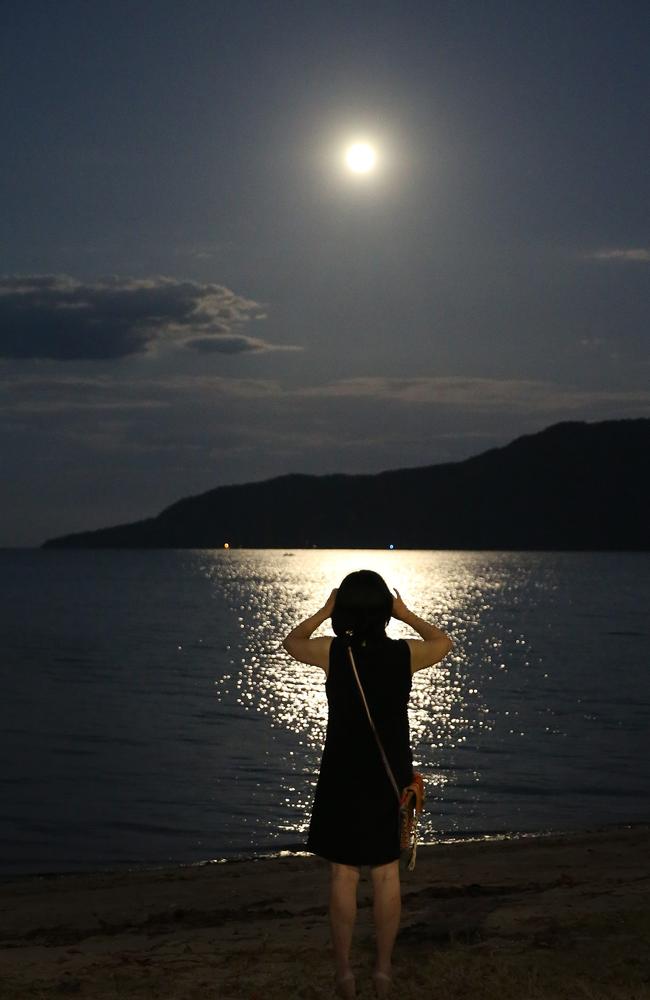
x=297 y=851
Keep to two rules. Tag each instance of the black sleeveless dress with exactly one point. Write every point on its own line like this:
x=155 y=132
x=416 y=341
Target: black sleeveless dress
x=355 y=815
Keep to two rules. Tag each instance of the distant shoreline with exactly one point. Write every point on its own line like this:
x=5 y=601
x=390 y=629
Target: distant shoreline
x=574 y=486
x=333 y=548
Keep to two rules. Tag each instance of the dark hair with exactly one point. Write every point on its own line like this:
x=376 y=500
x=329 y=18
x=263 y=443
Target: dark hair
x=363 y=606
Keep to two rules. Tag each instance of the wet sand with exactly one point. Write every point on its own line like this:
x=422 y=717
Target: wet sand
x=551 y=916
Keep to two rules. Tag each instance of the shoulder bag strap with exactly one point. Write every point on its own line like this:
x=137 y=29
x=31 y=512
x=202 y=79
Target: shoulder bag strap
x=389 y=771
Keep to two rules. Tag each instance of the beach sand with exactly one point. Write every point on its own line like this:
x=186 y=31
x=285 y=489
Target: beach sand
x=546 y=916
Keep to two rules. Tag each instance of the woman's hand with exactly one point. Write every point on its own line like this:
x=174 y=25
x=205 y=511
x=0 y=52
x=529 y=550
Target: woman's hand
x=399 y=608
x=328 y=607
x=301 y=646
x=434 y=644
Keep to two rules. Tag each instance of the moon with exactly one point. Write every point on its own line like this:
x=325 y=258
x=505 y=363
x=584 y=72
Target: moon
x=360 y=157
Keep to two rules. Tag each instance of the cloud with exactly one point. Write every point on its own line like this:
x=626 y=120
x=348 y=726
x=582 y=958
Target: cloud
x=58 y=317
x=233 y=344
x=479 y=394
x=35 y=394
x=637 y=254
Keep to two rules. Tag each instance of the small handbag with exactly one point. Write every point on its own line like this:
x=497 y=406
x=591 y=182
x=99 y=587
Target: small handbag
x=410 y=799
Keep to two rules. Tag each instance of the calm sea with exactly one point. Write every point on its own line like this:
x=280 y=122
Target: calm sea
x=149 y=716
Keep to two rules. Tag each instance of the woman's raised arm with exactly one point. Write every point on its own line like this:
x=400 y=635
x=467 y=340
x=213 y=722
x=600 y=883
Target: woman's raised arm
x=433 y=645
x=299 y=644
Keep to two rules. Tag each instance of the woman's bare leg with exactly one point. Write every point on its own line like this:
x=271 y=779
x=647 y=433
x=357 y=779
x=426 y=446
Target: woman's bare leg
x=343 y=912
x=387 y=906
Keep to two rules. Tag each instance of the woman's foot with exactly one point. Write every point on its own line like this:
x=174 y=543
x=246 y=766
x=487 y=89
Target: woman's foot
x=346 y=986
x=383 y=983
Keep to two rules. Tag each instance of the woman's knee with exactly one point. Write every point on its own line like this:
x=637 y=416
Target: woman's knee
x=385 y=873
x=344 y=873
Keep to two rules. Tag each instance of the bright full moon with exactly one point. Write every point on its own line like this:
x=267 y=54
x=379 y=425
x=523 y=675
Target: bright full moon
x=360 y=158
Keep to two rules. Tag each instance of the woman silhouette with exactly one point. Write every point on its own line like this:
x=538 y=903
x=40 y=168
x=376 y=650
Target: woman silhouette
x=355 y=816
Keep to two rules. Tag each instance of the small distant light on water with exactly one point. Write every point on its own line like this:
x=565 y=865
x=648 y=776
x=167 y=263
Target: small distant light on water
x=226 y=545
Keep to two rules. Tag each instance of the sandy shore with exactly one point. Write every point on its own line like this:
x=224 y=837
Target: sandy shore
x=554 y=916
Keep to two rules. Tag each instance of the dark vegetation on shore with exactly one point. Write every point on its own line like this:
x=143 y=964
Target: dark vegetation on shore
x=574 y=486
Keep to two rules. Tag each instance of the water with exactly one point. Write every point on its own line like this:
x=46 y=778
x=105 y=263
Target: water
x=149 y=715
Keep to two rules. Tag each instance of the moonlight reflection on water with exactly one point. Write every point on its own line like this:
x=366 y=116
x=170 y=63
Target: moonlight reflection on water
x=474 y=597
x=150 y=714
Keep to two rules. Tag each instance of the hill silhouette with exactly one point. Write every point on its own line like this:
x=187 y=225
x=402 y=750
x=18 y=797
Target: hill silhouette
x=573 y=486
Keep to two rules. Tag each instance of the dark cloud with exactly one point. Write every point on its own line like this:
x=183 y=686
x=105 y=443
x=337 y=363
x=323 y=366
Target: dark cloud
x=231 y=344
x=58 y=317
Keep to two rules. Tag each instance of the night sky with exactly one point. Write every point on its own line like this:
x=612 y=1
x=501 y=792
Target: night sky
x=196 y=290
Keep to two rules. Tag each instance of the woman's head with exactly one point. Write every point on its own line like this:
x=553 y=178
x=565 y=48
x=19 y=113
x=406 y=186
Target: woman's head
x=363 y=605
